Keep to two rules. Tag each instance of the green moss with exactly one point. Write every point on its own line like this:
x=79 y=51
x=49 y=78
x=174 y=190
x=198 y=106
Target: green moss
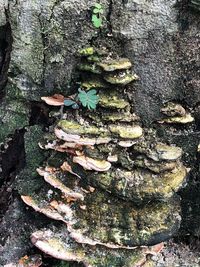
x=14 y=116
x=93 y=58
x=88 y=51
x=28 y=180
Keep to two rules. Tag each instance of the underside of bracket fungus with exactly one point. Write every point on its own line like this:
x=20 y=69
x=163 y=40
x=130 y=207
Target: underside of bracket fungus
x=112 y=187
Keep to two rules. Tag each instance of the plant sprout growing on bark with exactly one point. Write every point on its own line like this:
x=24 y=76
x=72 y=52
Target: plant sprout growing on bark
x=97 y=13
x=88 y=99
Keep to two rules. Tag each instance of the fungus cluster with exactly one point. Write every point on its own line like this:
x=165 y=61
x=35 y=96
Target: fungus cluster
x=110 y=186
x=175 y=113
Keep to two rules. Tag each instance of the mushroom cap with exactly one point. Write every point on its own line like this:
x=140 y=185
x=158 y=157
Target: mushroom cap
x=55 y=100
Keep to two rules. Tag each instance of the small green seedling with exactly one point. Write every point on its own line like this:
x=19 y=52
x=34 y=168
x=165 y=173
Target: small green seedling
x=88 y=99
x=97 y=15
x=71 y=103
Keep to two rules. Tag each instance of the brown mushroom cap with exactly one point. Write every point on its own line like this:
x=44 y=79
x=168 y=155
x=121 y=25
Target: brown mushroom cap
x=55 y=100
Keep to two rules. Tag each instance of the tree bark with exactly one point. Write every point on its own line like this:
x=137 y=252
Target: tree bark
x=39 y=44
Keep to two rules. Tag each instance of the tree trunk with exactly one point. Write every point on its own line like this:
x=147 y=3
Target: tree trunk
x=40 y=42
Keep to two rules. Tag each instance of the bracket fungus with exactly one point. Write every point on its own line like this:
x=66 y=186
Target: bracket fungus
x=175 y=114
x=112 y=188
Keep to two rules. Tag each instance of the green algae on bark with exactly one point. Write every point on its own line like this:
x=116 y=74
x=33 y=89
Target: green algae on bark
x=14 y=116
x=28 y=179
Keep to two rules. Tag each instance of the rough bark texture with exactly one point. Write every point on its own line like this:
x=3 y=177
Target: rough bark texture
x=161 y=38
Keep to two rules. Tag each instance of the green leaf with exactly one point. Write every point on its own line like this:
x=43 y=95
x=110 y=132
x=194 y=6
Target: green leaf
x=98 y=6
x=96 y=11
x=88 y=99
x=94 y=17
x=97 y=22
x=69 y=102
x=92 y=92
x=101 y=11
x=75 y=106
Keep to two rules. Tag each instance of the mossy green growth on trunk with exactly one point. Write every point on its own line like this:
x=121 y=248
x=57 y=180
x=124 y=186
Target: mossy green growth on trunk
x=28 y=179
x=14 y=116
